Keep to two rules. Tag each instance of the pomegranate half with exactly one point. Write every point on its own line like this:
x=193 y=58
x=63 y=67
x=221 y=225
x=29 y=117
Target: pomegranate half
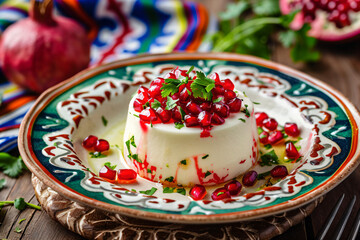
x=41 y=50
x=330 y=20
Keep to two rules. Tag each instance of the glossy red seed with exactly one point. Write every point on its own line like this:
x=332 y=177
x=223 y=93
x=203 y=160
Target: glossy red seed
x=292 y=129
x=270 y=124
x=89 y=142
x=260 y=117
x=228 y=84
x=101 y=145
x=218 y=90
x=249 y=178
x=264 y=137
x=108 y=173
x=148 y=115
x=175 y=96
x=184 y=95
x=154 y=91
x=222 y=109
x=197 y=192
x=138 y=106
x=216 y=119
x=228 y=95
x=143 y=89
x=157 y=81
x=234 y=187
x=204 y=118
x=176 y=114
x=275 y=137
x=220 y=194
x=126 y=174
x=234 y=105
x=215 y=76
x=291 y=151
x=142 y=97
x=206 y=106
x=279 y=171
x=190 y=121
x=193 y=108
x=163 y=114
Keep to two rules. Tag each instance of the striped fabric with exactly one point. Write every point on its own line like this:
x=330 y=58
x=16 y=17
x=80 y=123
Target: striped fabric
x=118 y=29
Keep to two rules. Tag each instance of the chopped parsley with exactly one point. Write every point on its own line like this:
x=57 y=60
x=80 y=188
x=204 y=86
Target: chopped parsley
x=267 y=146
x=220 y=193
x=257 y=103
x=207 y=173
x=136 y=115
x=167 y=165
x=246 y=111
x=260 y=130
x=132 y=141
x=133 y=190
x=183 y=162
x=179 y=125
x=97 y=155
x=149 y=171
x=190 y=70
x=149 y=192
x=170 y=87
x=21 y=220
x=202 y=86
x=136 y=158
x=218 y=100
x=168 y=190
x=18 y=230
x=206 y=156
x=108 y=164
x=269 y=159
x=241 y=119
x=263 y=175
x=156 y=104
x=169 y=179
x=181 y=191
x=104 y=121
x=170 y=103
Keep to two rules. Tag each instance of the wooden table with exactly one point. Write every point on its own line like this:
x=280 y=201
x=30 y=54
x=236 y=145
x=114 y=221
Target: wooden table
x=339 y=67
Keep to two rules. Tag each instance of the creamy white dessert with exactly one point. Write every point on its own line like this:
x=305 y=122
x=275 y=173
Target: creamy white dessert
x=161 y=152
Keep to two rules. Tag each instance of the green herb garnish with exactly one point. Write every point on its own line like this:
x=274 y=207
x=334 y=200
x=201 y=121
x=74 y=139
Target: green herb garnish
x=183 y=162
x=11 y=166
x=190 y=70
x=149 y=171
x=2 y=183
x=149 y=192
x=246 y=111
x=179 y=125
x=108 y=164
x=97 y=155
x=207 y=173
x=241 y=119
x=136 y=158
x=218 y=100
x=156 y=104
x=104 y=121
x=170 y=103
x=168 y=190
x=219 y=193
x=205 y=156
x=169 y=179
x=202 y=86
x=181 y=191
x=269 y=159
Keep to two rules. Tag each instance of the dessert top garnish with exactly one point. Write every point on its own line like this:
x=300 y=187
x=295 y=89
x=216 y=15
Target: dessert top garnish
x=187 y=98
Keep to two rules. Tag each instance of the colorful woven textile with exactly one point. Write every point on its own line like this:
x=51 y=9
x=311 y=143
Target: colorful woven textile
x=119 y=29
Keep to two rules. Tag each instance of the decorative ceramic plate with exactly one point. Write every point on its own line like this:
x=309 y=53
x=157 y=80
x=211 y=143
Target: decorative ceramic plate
x=96 y=102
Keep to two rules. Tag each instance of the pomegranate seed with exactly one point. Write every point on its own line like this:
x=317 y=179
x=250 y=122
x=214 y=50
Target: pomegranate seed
x=260 y=117
x=264 y=137
x=234 y=105
x=175 y=96
x=279 y=171
x=102 y=145
x=216 y=119
x=148 y=115
x=163 y=114
x=355 y=6
x=228 y=84
x=206 y=106
x=154 y=91
x=275 y=137
x=184 y=95
x=234 y=187
x=188 y=85
x=220 y=194
x=291 y=129
x=204 y=118
x=126 y=174
x=291 y=151
x=143 y=98
x=89 y=142
x=215 y=76
x=222 y=109
x=218 y=90
x=197 y=192
x=249 y=178
x=144 y=90
x=344 y=20
x=138 y=106
x=228 y=95
x=190 y=121
x=108 y=173
x=309 y=8
x=176 y=114
x=193 y=108
x=270 y=124
x=157 y=81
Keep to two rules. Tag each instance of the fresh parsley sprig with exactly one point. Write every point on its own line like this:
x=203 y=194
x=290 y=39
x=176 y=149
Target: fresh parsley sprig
x=11 y=166
x=202 y=86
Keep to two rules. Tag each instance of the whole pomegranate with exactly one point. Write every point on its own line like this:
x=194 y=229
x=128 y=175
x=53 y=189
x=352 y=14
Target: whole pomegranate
x=330 y=20
x=41 y=50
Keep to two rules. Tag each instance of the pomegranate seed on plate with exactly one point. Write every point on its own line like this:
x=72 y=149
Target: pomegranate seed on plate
x=234 y=187
x=108 y=173
x=291 y=151
x=193 y=108
x=101 y=145
x=291 y=129
x=234 y=105
x=275 y=137
x=220 y=194
x=218 y=90
x=249 y=178
x=126 y=174
x=197 y=192
x=228 y=84
x=260 y=117
x=279 y=171
x=228 y=95
x=216 y=119
x=148 y=115
x=264 y=137
x=222 y=109
x=164 y=115
x=190 y=121
x=89 y=142
x=270 y=124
